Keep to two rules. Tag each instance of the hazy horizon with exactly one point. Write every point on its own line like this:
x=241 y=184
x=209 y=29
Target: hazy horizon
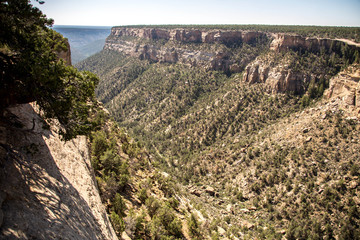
x=200 y=12
x=105 y=27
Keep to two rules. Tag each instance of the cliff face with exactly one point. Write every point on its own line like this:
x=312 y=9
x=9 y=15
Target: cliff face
x=48 y=190
x=346 y=87
x=279 y=76
x=278 y=79
x=283 y=42
x=186 y=35
x=173 y=48
x=209 y=59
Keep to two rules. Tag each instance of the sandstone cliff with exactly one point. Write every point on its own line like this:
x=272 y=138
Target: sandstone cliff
x=48 y=190
x=346 y=87
x=288 y=74
x=283 y=42
x=188 y=35
x=280 y=78
x=122 y=39
x=217 y=50
x=129 y=41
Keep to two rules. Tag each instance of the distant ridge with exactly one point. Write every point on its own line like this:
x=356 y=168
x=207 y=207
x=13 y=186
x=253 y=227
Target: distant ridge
x=84 y=40
x=81 y=27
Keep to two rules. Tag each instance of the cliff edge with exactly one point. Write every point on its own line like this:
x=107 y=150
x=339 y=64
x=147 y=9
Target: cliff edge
x=48 y=190
x=260 y=55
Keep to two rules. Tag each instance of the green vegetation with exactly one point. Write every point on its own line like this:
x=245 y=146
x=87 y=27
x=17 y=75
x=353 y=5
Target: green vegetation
x=116 y=158
x=210 y=128
x=32 y=71
x=252 y=173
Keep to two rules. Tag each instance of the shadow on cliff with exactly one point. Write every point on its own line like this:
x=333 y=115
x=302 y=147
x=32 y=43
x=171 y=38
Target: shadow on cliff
x=39 y=202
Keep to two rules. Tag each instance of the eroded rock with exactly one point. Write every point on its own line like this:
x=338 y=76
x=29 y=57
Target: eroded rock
x=49 y=185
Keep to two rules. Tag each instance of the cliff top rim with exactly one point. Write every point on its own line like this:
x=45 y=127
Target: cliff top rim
x=331 y=32
x=233 y=26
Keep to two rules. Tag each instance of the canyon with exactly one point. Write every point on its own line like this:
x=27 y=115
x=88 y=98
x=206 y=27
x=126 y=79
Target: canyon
x=237 y=134
x=184 y=46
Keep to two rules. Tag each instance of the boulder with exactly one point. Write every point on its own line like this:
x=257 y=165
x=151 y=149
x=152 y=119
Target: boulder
x=247 y=224
x=210 y=190
x=221 y=231
x=353 y=184
x=195 y=192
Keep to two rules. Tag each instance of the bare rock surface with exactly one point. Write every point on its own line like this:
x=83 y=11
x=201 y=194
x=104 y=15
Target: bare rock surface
x=284 y=41
x=210 y=60
x=48 y=190
x=125 y=40
x=278 y=79
x=346 y=86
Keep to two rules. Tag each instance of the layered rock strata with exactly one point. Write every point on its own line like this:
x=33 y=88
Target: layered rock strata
x=284 y=42
x=188 y=35
x=279 y=79
x=346 y=86
x=211 y=60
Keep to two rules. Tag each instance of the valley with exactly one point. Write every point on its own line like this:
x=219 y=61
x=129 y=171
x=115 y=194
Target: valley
x=84 y=40
x=256 y=131
x=174 y=131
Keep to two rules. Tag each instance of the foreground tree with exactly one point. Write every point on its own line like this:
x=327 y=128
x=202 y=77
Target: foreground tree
x=30 y=69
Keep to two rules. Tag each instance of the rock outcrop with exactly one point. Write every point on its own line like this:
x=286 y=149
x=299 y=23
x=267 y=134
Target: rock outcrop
x=346 y=87
x=47 y=187
x=284 y=42
x=278 y=79
x=208 y=60
x=120 y=40
x=188 y=35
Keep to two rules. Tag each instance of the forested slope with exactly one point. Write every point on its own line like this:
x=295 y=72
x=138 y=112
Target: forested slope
x=260 y=150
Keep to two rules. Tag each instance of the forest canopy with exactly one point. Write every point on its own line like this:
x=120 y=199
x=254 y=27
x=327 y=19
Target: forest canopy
x=31 y=69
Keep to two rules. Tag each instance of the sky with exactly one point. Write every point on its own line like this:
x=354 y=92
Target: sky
x=134 y=12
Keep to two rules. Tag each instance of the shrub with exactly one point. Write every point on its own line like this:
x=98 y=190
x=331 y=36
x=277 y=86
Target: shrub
x=119 y=205
x=193 y=226
x=152 y=205
x=117 y=222
x=142 y=195
x=174 y=203
x=99 y=144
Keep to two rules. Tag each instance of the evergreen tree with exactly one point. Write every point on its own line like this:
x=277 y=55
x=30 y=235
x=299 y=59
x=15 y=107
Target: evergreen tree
x=30 y=69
